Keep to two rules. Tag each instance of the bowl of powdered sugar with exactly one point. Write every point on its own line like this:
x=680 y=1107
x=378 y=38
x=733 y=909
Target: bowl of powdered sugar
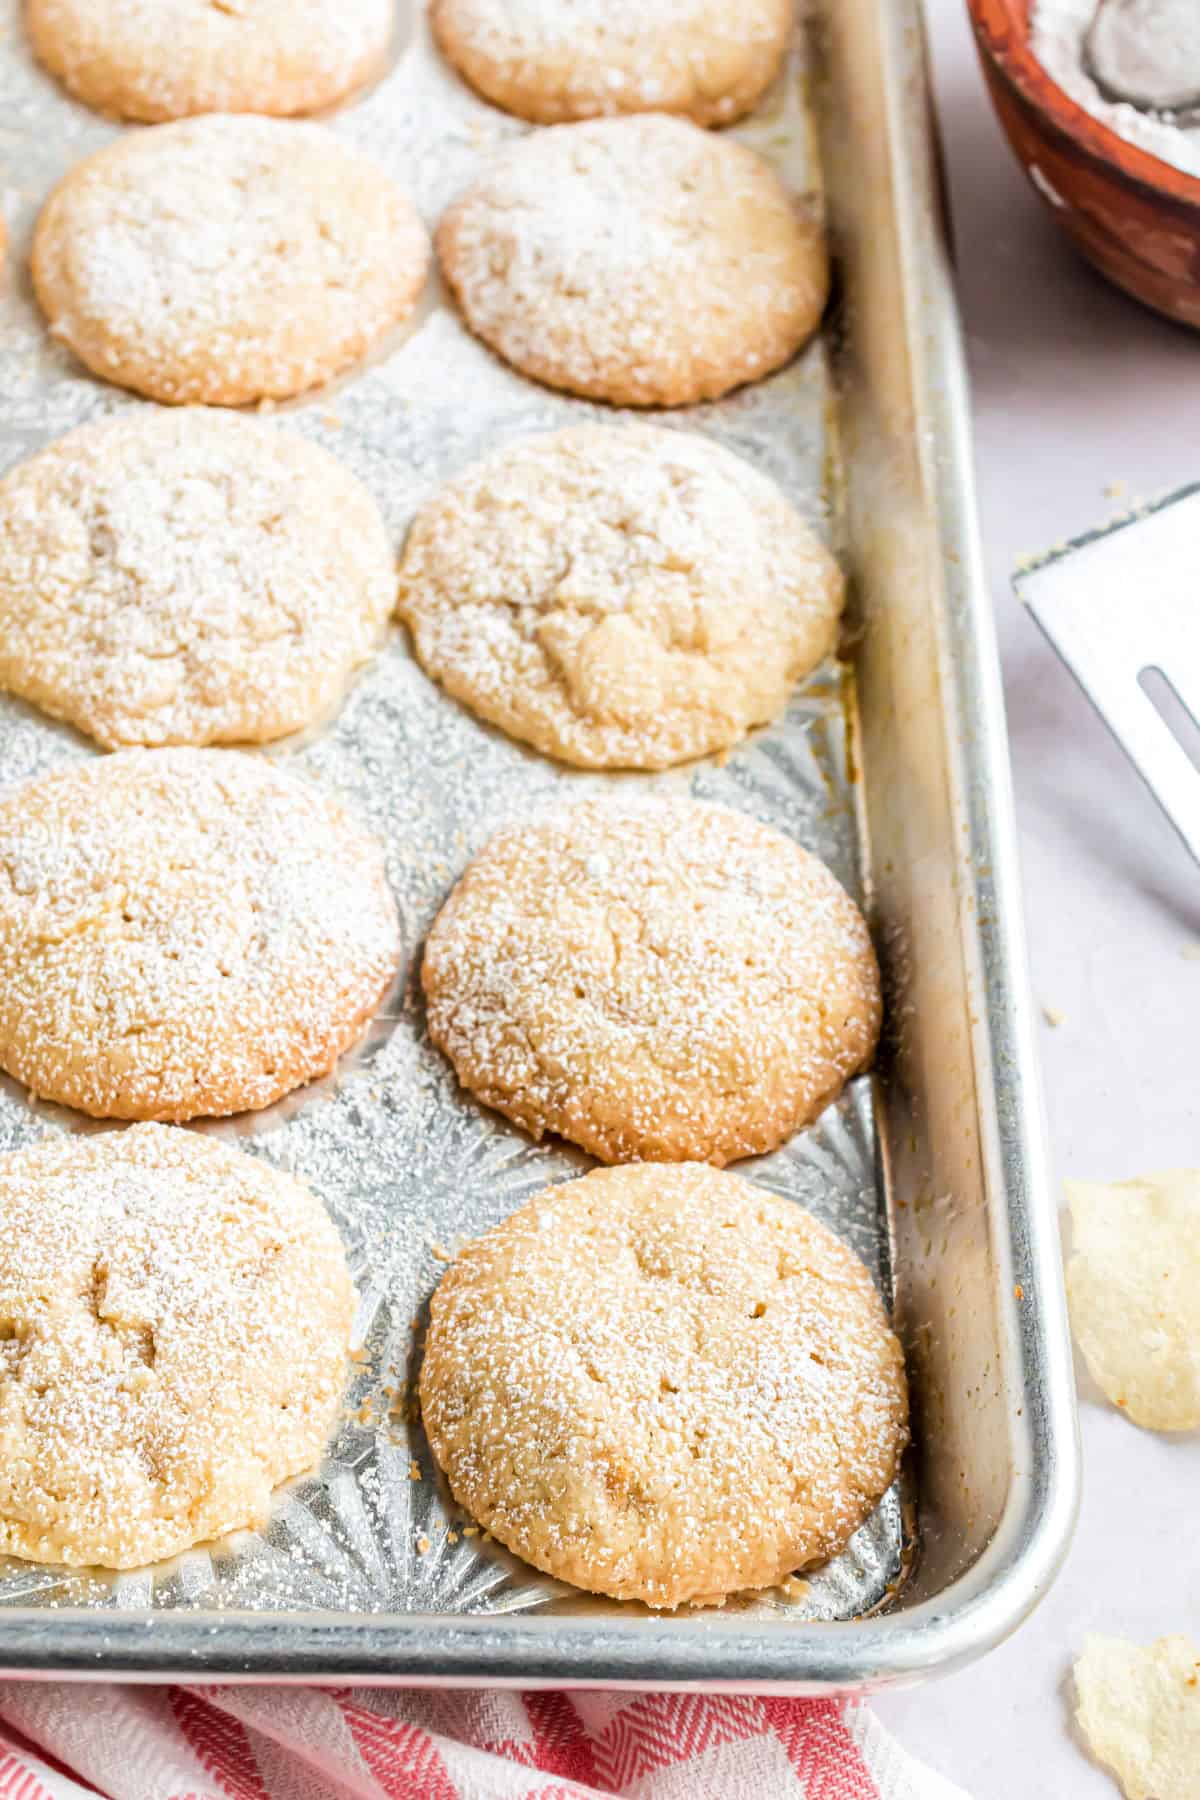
x=1100 y=99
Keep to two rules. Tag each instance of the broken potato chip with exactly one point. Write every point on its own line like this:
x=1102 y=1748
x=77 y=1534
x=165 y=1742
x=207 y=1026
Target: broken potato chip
x=1139 y=1711
x=1133 y=1284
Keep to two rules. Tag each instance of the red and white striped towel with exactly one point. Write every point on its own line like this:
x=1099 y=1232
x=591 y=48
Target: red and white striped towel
x=60 y=1742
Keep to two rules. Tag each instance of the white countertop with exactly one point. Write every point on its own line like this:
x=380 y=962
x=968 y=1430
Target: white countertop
x=1075 y=389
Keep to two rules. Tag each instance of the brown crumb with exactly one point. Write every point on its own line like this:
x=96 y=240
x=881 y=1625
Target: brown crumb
x=1019 y=1291
x=414 y=1471
x=423 y=1545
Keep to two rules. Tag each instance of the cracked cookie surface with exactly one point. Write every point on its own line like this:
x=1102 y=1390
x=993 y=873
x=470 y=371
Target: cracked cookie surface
x=663 y=1384
x=619 y=597
x=660 y=980
x=188 y=577
x=184 y=933
x=226 y=259
x=174 y=1322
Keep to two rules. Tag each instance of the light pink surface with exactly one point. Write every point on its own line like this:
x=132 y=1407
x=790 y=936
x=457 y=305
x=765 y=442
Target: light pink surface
x=1075 y=388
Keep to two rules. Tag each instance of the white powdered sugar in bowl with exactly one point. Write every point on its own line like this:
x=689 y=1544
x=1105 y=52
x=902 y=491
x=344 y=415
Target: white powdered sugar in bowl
x=1146 y=49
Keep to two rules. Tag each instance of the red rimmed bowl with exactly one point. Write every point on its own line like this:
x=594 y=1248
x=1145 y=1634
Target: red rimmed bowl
x=1132 y=215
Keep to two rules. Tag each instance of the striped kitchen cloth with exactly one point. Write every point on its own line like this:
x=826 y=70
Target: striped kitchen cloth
x=60 y=1741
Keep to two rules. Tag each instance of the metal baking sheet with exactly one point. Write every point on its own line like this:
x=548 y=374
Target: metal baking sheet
x=889 y=765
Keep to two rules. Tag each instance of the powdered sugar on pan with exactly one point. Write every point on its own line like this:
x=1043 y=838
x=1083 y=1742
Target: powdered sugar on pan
x=404 y=1159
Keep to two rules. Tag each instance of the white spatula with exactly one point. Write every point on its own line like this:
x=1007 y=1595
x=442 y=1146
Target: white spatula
x=1122 y=609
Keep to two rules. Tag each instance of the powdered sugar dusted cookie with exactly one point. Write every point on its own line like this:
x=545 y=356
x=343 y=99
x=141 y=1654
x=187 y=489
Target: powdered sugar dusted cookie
x=554 y=60
x=660 y=980
x=164 y=59
x=188 y=577
x=642 y=261
x=663 y=1384
x=618 y=597
x=175 y=1324
x=184 y=932
x=226 y=259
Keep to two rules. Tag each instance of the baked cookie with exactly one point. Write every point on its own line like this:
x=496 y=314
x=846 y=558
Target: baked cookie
x=619 y=597
x=642 y=261
x=663 y=1384
x=580 y=59
x=659 y=980
x=175 y=1319
x=164 y=59
x=188 y=577
x=226 y=259
x=184 y=932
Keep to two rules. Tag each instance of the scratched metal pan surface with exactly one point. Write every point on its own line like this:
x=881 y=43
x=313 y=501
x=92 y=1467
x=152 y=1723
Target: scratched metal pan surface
x=892 y=765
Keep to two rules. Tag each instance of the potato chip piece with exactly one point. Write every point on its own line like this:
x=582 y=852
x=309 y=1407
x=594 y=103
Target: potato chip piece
x=1134 y=1288
x=1139 y=1710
